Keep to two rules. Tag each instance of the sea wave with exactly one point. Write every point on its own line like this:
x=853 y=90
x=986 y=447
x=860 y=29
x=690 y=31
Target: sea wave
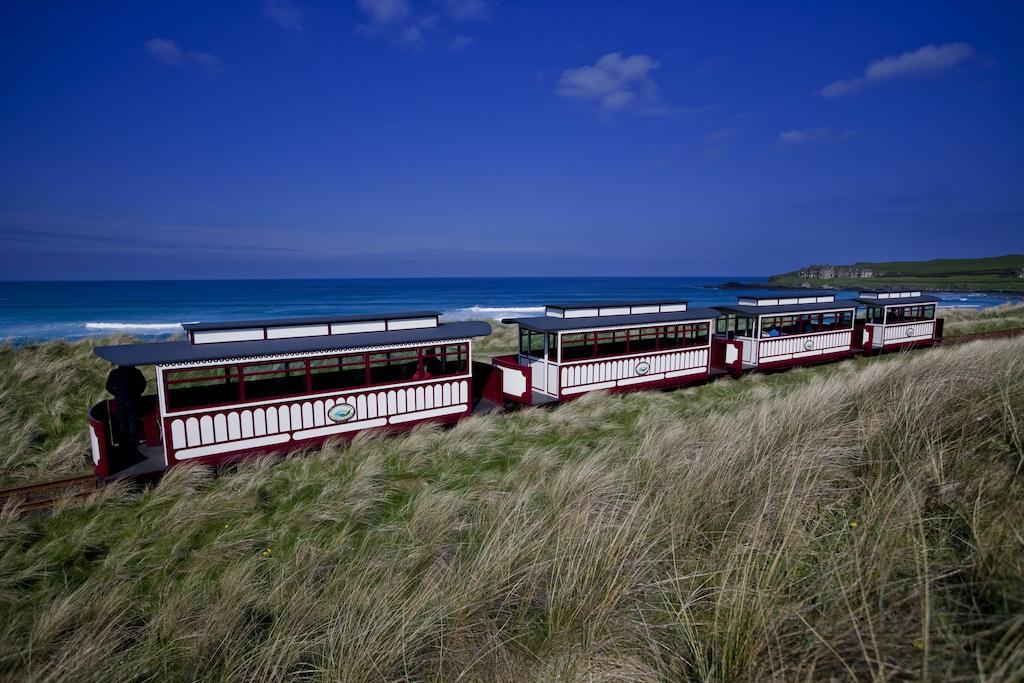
x=493 y=312
x=133 y=326
x=504 y=309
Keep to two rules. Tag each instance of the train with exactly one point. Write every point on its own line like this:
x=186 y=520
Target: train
x=231 y=390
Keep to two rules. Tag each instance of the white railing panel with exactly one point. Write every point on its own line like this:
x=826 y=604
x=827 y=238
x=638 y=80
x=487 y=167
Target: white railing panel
x=804 y=344
x=231 y=427
x=909 y=331
x=632 y=368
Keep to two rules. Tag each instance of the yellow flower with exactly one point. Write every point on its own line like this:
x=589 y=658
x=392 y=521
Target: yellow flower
x=853 y=524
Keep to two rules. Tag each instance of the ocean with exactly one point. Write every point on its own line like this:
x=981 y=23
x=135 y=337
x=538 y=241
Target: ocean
x=31 y=311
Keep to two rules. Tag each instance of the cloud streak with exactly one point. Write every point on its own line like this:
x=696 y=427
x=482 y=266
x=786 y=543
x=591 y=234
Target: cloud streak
x=716 y=142
x=385 y=12
x=466 y=10
x=284 y=13
x=460 y=42
x=930 y=60
x=800 y=136
x=168 y=53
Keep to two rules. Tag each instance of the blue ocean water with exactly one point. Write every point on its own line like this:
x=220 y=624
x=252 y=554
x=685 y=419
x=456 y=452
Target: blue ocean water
x=49 y=310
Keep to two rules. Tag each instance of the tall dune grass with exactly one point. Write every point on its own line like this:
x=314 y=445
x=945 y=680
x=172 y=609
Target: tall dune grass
x=855 y=521
x=965 y=320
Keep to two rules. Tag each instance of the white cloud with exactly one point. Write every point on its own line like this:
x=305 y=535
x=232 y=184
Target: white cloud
x=929 y=60
x=614 y=82
x=167 y=52
x=401 y=23
x=410 y=37
x=466 y=10
x=284 y=13
x=461 y=42
x=385 y=12
x=206 y=61
x=394 y=20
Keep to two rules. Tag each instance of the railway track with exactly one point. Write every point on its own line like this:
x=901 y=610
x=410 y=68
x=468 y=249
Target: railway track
x=973 y=336
x=44 y=495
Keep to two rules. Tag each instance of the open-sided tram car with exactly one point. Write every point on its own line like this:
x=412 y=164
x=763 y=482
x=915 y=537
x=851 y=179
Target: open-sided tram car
x=778 y=331
x=610 y=345
x=242 y=387
x=898 y=319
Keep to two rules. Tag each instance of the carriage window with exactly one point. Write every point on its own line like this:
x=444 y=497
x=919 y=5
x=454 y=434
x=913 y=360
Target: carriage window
x=200 y=388
x=669 y=337
x=553 y=348
x=910 y=314
x=531 y=343
x=696 y=335
x=645 y=339
x=846 y=320
x=875 y=315
x=899 y=314
x=394 y=366
x=274 y=379
x=442 y=361
x=612 y=343
x=577 y=346
x=722 y=325
x=339 y=372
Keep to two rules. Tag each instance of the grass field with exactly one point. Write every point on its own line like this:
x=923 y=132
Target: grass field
x=950 y=266
x=997 y=273
x=859 y=520
x=956 y=283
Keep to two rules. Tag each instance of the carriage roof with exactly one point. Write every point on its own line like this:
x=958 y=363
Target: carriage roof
x=552 y=324
x=309 y=320
x=185 y=351
x=782 y=309
x=896 y=301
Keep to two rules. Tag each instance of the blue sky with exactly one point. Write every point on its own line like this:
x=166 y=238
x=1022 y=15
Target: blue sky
x=298 y=138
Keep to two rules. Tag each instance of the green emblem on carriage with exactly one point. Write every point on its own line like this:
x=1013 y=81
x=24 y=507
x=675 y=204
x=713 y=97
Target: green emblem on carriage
x=809 y=344
x=341 y=412
x=643 y=367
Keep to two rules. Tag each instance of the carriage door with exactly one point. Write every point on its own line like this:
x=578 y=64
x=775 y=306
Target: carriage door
x=531 y=354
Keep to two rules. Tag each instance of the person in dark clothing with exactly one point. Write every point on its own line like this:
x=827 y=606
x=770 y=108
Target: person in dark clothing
x=126 y=383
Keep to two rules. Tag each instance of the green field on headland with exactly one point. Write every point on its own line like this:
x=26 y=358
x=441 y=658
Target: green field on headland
x=858 y=520
x=995 y=274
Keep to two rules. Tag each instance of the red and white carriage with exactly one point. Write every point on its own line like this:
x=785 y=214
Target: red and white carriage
x=898 y=319
x=241 y=387
x=589 y=346
x=779 y=330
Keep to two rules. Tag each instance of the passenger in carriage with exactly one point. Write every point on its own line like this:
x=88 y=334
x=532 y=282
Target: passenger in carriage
x=773 y=331
x=127 y=383
x=430 y=367
x=422 y=373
